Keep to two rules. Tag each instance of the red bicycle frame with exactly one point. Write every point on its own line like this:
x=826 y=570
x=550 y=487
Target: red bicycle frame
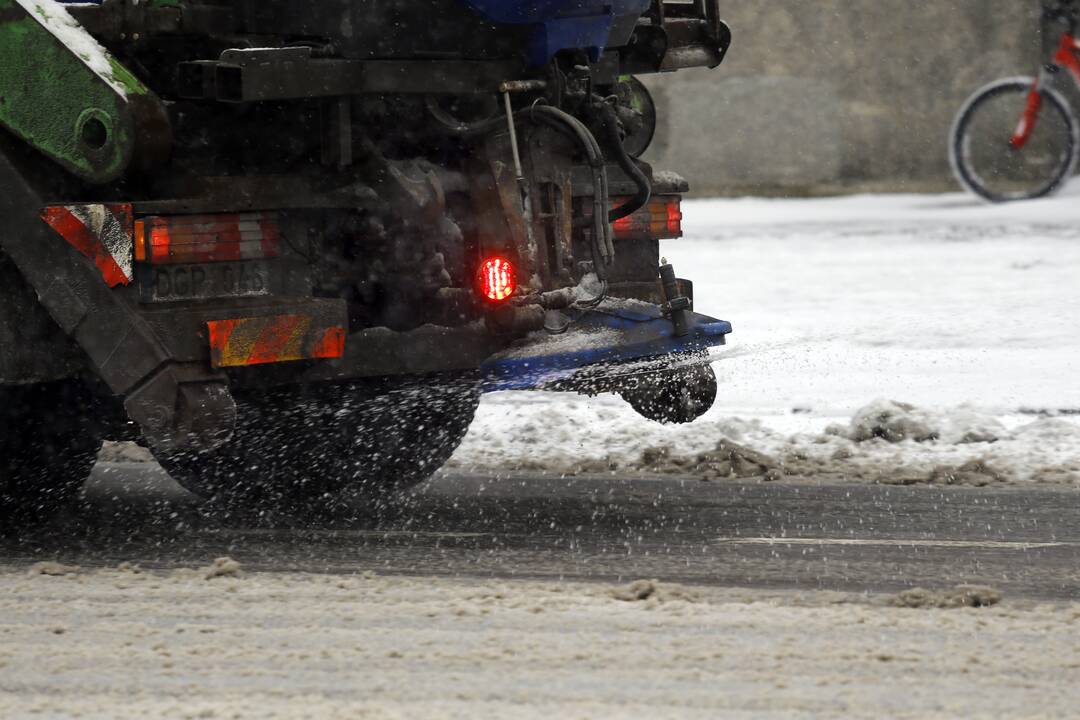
x=1067 y=56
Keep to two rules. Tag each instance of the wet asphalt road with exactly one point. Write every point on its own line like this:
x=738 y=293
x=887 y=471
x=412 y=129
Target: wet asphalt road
x=862 y=538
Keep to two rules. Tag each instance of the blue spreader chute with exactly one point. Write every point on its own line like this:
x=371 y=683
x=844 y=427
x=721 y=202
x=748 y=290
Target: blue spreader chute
x=608 y=335
x=561 y=24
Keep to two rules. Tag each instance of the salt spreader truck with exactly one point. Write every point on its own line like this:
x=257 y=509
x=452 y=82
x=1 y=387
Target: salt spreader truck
x=288 y=245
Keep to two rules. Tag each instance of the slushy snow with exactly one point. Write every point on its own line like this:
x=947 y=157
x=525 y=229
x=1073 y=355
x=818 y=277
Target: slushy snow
x=110 y=644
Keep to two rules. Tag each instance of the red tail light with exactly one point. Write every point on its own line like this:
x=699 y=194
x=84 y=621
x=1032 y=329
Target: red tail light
x=660 y=218
x=497 y=281
x=674 y=218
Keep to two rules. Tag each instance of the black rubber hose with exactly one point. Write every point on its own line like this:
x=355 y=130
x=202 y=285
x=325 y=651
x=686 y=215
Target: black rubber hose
x=644 y=187
x=603 y=244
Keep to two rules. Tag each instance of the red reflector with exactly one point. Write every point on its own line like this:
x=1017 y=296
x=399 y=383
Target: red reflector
x=497 y=279
x=660 y=218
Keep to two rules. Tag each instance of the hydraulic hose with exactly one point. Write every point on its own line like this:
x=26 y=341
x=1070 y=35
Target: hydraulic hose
x=610 y=123
x=603 y=240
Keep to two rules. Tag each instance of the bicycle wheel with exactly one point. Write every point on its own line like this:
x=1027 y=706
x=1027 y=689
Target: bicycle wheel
x=984 y=158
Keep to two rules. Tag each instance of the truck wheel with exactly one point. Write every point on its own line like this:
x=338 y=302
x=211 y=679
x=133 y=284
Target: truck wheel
x=329 y=446
x=678 y=395
x=48 y=445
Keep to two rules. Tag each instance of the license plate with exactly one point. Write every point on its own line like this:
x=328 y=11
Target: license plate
x=205 y=281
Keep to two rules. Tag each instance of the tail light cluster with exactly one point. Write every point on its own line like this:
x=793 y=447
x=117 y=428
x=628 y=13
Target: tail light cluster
x=660 y=218
x=206 y=238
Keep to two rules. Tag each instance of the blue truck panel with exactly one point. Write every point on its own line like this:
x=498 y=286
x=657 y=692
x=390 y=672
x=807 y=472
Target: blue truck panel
x=561 y=24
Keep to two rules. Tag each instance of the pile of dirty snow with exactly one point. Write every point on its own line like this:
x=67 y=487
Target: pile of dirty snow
x=883 y=442
x=886 y=441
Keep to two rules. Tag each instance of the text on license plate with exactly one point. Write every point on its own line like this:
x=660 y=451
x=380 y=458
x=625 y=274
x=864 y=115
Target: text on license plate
x=205 y=281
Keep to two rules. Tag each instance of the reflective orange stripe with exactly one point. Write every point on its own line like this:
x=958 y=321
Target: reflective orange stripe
x=331 y=345
x=74 y=229
x=280 y=338
x=276 y=338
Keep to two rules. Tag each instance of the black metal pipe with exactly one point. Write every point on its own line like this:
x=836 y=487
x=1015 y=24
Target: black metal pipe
x=610 y=124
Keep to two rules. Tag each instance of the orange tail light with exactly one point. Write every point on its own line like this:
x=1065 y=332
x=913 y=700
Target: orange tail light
x=661 y=218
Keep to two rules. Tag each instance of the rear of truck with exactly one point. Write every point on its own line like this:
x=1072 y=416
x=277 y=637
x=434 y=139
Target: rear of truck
x=287 y=246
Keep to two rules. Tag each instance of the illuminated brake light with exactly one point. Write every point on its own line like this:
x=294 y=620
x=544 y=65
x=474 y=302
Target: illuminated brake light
x=661 y=218
x=497 y=281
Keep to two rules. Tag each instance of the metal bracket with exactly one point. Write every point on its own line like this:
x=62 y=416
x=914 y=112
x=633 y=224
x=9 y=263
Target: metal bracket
x=677 y=306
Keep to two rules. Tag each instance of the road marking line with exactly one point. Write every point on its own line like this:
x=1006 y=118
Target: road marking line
x=1002 y=544
x=343 y=533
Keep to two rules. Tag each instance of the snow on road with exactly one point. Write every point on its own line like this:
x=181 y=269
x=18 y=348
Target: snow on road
x=125 y=644
x=968 y=312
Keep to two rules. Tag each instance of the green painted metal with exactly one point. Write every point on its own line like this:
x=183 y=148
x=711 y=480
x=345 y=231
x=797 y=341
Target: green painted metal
x=65 y=95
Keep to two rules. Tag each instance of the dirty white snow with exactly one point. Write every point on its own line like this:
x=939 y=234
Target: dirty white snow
x=126 y=643
x=967 y=313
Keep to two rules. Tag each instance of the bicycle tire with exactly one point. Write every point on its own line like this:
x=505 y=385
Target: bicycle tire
x=959 y=158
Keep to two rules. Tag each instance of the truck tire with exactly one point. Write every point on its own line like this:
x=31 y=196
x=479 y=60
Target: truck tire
x=48 y=445
x=329 y=447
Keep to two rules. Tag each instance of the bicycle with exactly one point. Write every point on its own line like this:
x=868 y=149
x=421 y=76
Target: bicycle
x=1018 y=138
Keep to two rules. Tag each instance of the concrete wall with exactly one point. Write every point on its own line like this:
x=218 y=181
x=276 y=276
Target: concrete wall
x=822 y=96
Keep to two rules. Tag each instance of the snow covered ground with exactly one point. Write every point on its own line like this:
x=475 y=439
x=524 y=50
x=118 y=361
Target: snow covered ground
x=119 y=643
x=968 y=312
